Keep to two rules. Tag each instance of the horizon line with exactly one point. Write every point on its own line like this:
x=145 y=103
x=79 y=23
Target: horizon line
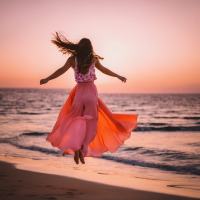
x=99 y=92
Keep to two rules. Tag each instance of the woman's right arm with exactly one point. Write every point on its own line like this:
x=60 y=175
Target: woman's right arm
x=58 y=72
x=108 y=72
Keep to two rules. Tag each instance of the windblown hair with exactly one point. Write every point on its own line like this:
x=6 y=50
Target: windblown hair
x=83 y=50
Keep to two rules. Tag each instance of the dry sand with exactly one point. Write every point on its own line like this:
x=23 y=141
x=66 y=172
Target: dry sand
x=24 y=185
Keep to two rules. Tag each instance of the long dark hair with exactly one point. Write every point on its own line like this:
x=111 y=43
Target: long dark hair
x=83 y=50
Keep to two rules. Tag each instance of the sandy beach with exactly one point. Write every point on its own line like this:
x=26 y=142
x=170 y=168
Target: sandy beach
x=22 y=184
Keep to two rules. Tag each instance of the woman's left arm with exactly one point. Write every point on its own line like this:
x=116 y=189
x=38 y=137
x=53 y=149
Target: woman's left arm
x=108 y=72
x=58 y=72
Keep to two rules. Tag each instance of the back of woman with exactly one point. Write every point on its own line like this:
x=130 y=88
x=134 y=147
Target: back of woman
x=88 y=76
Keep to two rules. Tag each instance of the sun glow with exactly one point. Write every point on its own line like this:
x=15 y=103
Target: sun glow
x=155 y=45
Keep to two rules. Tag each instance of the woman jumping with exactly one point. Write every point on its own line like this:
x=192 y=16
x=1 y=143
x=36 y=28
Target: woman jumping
x=85 y=126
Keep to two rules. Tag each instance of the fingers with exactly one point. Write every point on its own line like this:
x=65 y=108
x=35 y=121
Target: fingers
x=124 y=80
x=42 y=81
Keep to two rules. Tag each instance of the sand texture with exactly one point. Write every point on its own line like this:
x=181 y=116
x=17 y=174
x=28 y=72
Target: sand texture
x=25 y=185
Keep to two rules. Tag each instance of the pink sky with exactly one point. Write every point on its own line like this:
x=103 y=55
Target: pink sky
x=154 y=44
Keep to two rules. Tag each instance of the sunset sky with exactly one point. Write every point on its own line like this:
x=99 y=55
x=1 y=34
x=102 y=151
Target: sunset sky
x=155 y=44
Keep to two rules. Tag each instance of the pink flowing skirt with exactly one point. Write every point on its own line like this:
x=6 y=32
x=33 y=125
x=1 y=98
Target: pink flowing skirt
x=86 y=123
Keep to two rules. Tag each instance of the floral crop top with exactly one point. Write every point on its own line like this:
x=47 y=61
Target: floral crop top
x=88 y=77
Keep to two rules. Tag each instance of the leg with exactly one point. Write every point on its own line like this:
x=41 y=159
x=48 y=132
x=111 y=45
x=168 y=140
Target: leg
x=91 y=109
x=81 y=156
x=76 y=110
x=76 y=157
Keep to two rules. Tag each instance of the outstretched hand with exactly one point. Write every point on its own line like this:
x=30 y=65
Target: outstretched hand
x=123 y=79
x=43 y=81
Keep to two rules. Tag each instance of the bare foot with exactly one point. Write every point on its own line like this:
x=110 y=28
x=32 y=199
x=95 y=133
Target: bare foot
x=76 y=157
x=81 y=157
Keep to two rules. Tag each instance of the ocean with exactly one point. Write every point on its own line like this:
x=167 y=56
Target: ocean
x=165 y=146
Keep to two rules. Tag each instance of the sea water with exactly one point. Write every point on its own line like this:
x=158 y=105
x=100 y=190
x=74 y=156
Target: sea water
x=165 y=146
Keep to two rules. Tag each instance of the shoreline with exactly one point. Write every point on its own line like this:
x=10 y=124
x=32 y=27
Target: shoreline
x=23 y=184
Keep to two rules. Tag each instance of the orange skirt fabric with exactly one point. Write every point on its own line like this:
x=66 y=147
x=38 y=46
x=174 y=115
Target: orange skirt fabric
x=86 y=123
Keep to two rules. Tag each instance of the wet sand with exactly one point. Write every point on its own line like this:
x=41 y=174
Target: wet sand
x=23 y=185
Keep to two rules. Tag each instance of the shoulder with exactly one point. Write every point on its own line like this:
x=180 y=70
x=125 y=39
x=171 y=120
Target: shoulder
x=99 y=66
x=96 y=60
x=71 y=60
